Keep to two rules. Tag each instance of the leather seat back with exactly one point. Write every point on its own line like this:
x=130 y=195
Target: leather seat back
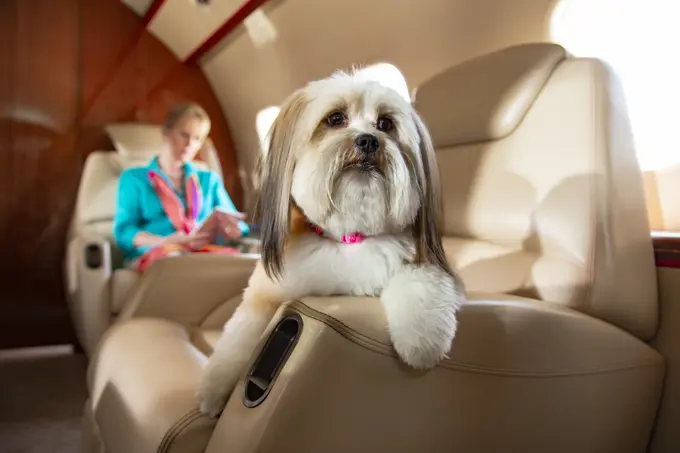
x=542 y=190
x=135 y=145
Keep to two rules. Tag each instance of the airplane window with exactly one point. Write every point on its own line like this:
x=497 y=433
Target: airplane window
x=638 y=40
x=388 y=75
x=263 y=122
x=384 y=73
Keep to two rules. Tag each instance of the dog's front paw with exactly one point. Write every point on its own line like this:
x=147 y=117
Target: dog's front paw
x=212 y=404
x=213 y=391
x=418 y=351
x=421 y=303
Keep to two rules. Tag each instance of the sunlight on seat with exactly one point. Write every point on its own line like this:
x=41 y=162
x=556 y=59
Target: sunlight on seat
x=637 y=39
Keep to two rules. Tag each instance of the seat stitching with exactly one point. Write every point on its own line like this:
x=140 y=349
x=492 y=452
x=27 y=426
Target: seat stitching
x=162 y=446
x=451 y=365
x=182 y=428
x=177 y=428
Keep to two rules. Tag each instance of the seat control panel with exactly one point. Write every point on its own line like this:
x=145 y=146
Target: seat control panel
x=272 y=358
x=93 y=256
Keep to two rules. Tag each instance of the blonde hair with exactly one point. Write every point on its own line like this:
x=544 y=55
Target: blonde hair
x=183 y=110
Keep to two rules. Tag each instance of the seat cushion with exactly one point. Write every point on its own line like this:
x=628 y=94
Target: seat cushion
x=122 y=282
x=142 y=384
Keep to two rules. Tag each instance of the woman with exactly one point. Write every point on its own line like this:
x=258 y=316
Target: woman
x=170 y=207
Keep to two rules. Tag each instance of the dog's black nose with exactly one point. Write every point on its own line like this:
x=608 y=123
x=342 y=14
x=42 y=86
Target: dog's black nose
x=367 y=143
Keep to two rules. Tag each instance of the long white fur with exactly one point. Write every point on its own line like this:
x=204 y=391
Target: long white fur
x=420 y=301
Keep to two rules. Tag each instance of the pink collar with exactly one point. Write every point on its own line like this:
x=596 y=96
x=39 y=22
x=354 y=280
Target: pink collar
x=353 y=238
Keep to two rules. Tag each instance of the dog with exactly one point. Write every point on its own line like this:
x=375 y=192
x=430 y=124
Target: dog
x=349 y=204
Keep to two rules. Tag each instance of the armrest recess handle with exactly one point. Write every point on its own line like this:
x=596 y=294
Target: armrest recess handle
x=271 y=360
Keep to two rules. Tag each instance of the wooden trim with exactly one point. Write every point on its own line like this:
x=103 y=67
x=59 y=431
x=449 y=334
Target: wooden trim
x=666 y=248
x=227 y=27
x=152 y=11
x=104 y=67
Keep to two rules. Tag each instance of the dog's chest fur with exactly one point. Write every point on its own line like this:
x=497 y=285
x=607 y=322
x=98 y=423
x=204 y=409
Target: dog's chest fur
x=317 y=266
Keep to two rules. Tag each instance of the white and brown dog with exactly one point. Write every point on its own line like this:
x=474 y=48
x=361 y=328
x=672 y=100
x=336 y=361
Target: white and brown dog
x=350 y=205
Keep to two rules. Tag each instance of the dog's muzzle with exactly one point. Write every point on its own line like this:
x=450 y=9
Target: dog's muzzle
x=367 y=144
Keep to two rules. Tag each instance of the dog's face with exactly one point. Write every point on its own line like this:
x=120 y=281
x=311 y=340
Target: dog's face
x=354 y=156
x=356 y=151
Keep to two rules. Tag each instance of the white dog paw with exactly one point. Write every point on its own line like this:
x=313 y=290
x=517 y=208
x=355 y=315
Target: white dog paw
x=419 y=351
x=213 y=404
x=213 y=391
x=421 y=303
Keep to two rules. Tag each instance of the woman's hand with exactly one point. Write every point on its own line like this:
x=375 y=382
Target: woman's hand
x=198 y=241
x=176 y=238
x=228 y=223
x=194 y=241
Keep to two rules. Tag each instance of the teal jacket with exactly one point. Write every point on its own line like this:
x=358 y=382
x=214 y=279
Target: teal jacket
x=139 y=208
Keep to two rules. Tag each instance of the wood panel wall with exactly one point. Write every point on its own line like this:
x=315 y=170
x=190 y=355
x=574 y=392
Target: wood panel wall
x=67 y=69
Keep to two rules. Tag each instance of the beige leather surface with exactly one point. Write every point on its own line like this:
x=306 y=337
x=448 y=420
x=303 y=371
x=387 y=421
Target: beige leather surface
x=523 y=377
x=501 y=334
x=190 y=288
x=94 y=295
x=143 y=391
x=122 y=284
x=562 y=194
x=136 y=142
x=486 y=98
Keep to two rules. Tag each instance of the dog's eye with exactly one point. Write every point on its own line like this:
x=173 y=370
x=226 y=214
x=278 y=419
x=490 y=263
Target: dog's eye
x=384 y=124
x=336 y=119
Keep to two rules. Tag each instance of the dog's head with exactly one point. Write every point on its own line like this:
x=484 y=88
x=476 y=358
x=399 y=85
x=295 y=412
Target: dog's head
x=352 y=156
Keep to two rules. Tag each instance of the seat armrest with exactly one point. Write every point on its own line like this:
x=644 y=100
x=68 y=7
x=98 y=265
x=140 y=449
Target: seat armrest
x=88 y=269
x=187 y=289
x=514 y=364
x=142 y=382
x=87 y=251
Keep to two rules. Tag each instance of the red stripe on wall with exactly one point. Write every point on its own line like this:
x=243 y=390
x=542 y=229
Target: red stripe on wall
x=666 y=248
x=152 y=11
x=668 y=263
x=234 y=21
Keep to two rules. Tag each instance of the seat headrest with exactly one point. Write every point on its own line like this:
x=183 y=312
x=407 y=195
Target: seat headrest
x=137 y=143
x=488 y=96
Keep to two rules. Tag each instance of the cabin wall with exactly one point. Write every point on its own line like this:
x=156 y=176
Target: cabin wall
x=314 y=38
x=662 y=188
x=70 y=67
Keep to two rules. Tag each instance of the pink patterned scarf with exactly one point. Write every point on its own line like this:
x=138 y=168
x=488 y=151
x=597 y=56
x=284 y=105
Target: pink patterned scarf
x=183 y=221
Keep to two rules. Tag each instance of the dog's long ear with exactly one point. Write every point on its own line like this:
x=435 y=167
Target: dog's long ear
x=428 y=226
x=275 y=180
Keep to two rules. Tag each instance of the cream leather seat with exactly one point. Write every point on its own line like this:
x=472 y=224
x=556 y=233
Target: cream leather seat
x=96 y=283
x=546 y=221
